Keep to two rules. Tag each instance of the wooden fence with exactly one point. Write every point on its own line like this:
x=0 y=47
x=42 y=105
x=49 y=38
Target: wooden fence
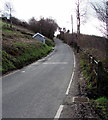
x=97 y=66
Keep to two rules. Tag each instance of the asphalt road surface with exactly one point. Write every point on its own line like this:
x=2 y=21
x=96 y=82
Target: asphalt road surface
x=37 y=91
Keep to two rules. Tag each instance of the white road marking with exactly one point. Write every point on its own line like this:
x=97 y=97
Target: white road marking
x=37 y=62
x=59 y=112
x=57 y=116
x=23 y=71
x=10 y=73
x=55 y=63
x=67 y=91
x=50 y=57
x=74 y=60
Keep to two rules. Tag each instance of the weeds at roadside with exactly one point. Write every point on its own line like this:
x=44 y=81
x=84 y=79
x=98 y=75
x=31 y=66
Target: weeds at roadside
x=99 y=102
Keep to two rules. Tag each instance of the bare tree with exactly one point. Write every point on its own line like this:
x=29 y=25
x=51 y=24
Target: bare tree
x=9 y=9
x=102 y=14
x=107 y=17
x=46 y=26
x=78 y=17
x=81 y=12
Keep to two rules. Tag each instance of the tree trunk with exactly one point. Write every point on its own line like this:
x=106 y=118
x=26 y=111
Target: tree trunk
x=10 y=18
x=107 y=29
x=78 y=19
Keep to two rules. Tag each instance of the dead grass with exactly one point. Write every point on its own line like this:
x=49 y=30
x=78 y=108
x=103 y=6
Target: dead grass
x=13 y=36
x=96 y=46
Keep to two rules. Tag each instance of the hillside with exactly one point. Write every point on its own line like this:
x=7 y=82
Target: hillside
x=94 y=45
x=20 y=49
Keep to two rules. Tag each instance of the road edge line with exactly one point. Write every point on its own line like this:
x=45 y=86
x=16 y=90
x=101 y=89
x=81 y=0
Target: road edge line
x=67 y=91
x=15 y=71
x=72 y=76
x=11 y=73
x=57 y=116
x=74 y=61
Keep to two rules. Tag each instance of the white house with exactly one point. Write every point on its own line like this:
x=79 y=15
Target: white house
x=39 y=37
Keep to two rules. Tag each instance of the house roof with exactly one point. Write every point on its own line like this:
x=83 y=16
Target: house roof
x=38 y=34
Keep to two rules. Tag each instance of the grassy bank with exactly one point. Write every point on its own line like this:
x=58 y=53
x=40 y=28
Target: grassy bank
x=20 y=55
x=19 y=49
x=101 y=107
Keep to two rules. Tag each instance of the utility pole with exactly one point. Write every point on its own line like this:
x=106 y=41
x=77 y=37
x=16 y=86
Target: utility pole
x=9 y=7
x=78 y=18
x=72 y=23
x=107 y=18
x=107 y=29
x=10 y=17
x=72 y=27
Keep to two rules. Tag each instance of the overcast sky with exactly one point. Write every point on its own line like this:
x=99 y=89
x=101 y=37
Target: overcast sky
x=60 y=10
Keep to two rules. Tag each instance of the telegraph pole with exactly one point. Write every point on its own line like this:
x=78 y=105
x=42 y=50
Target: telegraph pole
x=107 y=18
x=78 y=18
x=107 y=29
x=72 y=27
x=72 y=23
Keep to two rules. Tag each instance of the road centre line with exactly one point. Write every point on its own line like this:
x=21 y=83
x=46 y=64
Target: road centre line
x=56 y=63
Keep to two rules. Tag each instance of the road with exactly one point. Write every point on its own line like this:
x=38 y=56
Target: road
x=37 y=90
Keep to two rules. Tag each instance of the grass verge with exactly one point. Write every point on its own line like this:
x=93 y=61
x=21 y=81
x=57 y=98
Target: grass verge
x=101 y=107
x=21 y=54
x=100 y=101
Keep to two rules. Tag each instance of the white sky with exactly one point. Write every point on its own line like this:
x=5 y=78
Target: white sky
x=60 y=10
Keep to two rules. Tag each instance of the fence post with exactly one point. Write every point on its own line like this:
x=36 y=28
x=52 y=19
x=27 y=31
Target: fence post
x=89 y=57
x=93 y=60
x=78 y=49
x=100 y=78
